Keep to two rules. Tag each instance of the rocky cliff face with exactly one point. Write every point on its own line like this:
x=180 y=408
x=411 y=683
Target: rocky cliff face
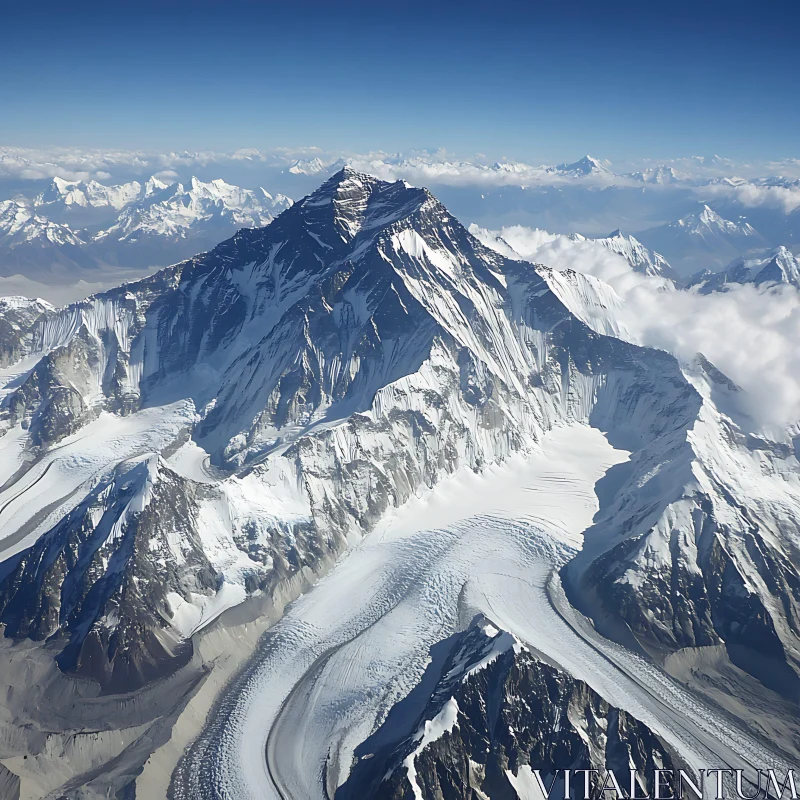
x=497 y=713
x=17 y=318
x=102 y=576
x=707 y=556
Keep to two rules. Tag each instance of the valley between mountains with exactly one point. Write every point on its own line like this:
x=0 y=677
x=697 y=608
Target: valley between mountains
x=354 y=505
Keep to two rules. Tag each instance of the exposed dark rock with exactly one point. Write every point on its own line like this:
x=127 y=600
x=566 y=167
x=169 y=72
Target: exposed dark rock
x=498 y=708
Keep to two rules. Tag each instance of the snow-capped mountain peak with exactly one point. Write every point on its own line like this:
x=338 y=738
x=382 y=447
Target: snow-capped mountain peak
x=176 y=212
x=307 y=167
x=360 y=202
x=153 y=185
x=708 y=220
x=787 y=267
x=20 y=224
x=710 y=217
x=74 y=224
x=584 y=166
x=89 y=194
x=661 y=175
x=777 y=267
x=702 y=239
x=640 y=258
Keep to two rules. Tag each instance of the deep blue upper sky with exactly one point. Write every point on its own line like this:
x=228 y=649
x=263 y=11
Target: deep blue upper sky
x=524 y=80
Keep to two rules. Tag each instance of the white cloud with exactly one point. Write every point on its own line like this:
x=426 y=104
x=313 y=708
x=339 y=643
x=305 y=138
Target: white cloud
x=421 y=168
x=166 y=175
x=83 y=164
x=515 y=241
x=749 y=334
x=437 y=170
x=750 y=195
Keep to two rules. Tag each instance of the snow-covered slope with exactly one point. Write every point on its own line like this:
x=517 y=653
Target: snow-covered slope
x=779 y=267
x=210 y=438
x=641 y=258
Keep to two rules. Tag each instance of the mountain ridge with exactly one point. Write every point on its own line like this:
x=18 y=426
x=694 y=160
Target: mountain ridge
x=778 y=267
x=87 y=225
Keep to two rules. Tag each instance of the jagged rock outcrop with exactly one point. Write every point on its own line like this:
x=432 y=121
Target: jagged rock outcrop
x=18 y=315
x=498 y=712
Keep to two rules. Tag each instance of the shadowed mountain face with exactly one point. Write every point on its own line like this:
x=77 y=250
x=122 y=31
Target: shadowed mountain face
x=212 y=437
x=496 y=713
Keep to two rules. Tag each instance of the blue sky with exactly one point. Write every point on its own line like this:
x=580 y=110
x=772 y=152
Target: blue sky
x=535 y=80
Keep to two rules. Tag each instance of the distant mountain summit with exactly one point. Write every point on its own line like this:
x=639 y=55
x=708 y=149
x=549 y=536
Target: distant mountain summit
x=89 y=194
x=708 y=222
x=584 y=166
x=167 y=215
x=661 y=175
x=311 y=166
x=31 y=243
x=703 y=240
x=640 y=258
x=778 y=267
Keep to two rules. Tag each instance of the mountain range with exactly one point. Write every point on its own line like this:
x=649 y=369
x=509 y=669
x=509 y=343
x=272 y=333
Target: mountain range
x=562 y=547
x=94 y=230
x=78 y=226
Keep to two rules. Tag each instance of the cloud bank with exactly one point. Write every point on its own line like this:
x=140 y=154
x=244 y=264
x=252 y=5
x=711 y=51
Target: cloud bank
x=749 y=334
x=421 y=168
x=751 y=195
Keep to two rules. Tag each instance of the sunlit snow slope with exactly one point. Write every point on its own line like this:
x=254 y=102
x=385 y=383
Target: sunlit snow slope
x=360 y=641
